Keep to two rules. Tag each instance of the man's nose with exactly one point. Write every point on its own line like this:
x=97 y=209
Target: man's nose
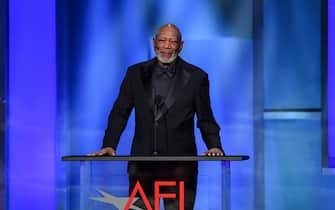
x=167 y=44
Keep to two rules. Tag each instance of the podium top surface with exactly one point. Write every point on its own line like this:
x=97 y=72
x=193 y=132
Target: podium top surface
x=155 y=158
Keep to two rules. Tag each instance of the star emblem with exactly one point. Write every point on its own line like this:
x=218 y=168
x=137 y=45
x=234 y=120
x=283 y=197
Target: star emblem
x=118 y=202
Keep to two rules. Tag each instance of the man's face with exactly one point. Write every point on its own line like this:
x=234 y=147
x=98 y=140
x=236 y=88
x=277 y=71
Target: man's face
x=167 y=45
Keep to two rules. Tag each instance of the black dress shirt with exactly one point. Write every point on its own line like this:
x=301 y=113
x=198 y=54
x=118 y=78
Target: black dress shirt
x=162 y=80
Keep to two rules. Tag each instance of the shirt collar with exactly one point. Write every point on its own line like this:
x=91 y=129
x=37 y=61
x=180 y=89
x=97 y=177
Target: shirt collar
x=169 y=71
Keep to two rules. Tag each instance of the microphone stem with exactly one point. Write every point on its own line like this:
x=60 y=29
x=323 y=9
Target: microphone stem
x=155 y=129
x=155 y=137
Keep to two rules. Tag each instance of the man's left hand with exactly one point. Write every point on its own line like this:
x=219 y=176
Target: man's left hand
x=214 y=152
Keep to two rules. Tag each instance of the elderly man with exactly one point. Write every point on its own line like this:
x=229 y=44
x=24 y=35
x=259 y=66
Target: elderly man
x=166 y=93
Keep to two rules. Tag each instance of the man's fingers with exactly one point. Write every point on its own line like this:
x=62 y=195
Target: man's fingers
x=92 y=154
x=105 y=151
x=214 y=152
x=101 y=153
x=98 y=153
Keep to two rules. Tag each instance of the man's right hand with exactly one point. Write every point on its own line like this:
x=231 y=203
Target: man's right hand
x=104 y=151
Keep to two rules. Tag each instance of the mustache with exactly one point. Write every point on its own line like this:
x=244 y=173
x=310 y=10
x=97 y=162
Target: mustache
x=167 y=52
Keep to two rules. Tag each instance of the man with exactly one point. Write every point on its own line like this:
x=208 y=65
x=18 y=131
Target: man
x=166 y=93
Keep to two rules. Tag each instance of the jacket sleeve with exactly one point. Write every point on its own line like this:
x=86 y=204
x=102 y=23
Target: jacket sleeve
x=210 y=131
x=119 y=114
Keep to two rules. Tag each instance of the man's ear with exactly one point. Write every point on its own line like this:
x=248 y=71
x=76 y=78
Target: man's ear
x=181 y=46
x=153 y=42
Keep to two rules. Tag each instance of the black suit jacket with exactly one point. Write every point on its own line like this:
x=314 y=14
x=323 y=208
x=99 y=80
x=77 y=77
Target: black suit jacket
x=189 y=95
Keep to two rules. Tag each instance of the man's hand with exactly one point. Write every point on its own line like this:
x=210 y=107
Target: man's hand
x=214 y=152
x=104 y=151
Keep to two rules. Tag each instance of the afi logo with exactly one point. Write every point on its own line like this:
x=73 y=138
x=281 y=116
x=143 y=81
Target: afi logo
x=138 y=188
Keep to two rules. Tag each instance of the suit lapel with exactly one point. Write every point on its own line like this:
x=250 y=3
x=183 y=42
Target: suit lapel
x=146 y=76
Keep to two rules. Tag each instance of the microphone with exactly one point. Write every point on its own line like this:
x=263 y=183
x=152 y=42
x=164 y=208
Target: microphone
x=157 y=102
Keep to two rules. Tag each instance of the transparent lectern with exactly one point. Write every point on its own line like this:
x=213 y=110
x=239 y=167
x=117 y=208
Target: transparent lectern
x=102 y=182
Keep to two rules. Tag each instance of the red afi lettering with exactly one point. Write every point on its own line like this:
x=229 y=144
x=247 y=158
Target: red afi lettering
x=158 y=195
x=138 y=188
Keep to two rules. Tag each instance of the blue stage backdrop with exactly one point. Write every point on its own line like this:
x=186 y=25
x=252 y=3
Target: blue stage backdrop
x=54 y=112
x=31 y=105
x=331 y=83
x=98 y=40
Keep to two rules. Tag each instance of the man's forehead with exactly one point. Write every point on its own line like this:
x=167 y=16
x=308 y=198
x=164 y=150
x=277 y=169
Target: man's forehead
x=168 y=30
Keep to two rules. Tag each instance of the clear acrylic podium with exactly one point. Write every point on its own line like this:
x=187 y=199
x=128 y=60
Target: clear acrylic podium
x=102 y=182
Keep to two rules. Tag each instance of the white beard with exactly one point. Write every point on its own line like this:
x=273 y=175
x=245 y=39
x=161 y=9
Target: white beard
x=167 y=61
